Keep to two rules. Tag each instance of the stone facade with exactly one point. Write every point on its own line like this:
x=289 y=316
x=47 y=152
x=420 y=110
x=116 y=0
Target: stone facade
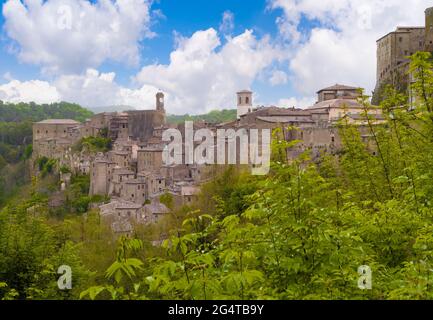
x=244 y=102
x=149 y=158
x=393 y=51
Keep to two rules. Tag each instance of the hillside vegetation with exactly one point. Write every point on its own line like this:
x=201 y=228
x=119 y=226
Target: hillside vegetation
x=216 y=116
x=10 y=112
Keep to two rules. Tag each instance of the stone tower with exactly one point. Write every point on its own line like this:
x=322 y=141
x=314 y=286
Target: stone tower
x=429 y=29
x=244 y=102
x=160 y=102
x=100 y=177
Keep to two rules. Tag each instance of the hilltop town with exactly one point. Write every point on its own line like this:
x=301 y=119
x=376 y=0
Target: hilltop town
x=133 y=174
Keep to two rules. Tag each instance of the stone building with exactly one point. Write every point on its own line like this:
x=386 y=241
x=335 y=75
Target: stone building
x=155 y=183
x=393 y=50
x=315 y=127
x=121 y=158
x=154 y=211
x=119 y=176
x=189 y=194
x=149 y=158
x=101 y=176
x=135 y=190
x=51 y=138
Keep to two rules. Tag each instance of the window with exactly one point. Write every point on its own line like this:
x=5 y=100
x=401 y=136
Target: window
x=247 y=100
x=400 y=39
x=240 y=100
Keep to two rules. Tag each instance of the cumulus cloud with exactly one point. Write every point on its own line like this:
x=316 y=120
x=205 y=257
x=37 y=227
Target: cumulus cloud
x=37 y=91
x=73 y=35
x=203 y=74
x=228 y=22
x=90 y=89
x=95 y=89
x=296 y=102
x=278 y=77
x=343 y=47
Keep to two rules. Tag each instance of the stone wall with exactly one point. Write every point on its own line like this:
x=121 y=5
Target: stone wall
x=141 y=123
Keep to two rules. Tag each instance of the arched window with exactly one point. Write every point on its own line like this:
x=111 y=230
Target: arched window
x=240 y=100
x=247 y=100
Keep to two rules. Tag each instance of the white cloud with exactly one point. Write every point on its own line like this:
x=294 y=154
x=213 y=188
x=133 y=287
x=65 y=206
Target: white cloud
x=343 y=47
x=73 y=35
x=295 y=102
x=204 y=75
x=37 y=91
x=94 y=89
x=91 y=89
x=227 y=25
x=278 y=77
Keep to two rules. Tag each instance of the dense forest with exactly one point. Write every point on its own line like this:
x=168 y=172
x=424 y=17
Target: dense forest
x=215 y=116
x=301 y=232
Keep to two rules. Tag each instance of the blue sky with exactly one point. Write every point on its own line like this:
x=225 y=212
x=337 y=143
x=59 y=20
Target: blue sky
x=186 y=17
x=123 y=52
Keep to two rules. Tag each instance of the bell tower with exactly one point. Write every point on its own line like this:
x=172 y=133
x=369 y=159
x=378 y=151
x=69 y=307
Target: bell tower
x=244 y=102
x=160 y=102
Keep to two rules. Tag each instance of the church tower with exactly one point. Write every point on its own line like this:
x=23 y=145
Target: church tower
x=160 y=102
x=244 y=102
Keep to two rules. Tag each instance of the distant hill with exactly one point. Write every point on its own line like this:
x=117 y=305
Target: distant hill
x=111 y=109
x=20 y=112
x=216 y=116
